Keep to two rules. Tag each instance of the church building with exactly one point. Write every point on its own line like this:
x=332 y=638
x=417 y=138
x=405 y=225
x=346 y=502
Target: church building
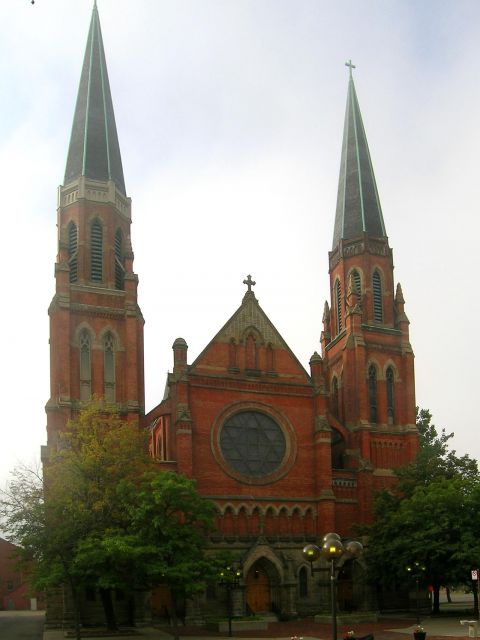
x=286 y=454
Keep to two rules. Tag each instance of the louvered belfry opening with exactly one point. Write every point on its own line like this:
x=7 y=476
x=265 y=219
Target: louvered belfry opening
x=377 y=297
x=72 y=252
x=96 y=251
x=390 y=397
x=338 y=305
x=357 y=282
x=119 y=266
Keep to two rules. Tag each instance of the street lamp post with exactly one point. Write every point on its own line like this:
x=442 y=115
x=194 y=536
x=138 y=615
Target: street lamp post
x=230 y=579
x=416 y=570
x=332 y=549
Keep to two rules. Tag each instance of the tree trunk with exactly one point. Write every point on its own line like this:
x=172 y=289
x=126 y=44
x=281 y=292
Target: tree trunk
x=131 y=608
x=174 y=617
x=436 y=598
x=449 y=597
x=76 y=608
x=109 y=611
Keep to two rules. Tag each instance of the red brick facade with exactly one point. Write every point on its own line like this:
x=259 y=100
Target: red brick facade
x=97 y=317
x=286 y=454
x=15 y=592
x=346 y=425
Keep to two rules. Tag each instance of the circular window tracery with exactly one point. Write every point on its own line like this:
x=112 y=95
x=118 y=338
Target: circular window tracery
x=252 y=443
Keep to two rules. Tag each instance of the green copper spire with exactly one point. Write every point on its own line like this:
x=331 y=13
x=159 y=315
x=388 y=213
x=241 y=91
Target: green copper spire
x=358 y=204
x=94 y=151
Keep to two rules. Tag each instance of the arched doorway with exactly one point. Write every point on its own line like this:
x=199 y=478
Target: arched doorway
x=262 y=587
x=258 y=590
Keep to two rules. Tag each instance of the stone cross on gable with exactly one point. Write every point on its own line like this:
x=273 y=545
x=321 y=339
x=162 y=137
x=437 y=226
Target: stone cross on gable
x=249 y=282
x=350 y=65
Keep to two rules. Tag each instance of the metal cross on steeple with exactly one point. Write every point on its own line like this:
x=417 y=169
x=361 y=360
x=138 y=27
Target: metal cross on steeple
x=249 y=282
x=351 y=66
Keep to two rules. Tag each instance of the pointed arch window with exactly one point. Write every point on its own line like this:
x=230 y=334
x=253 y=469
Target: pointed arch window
x=96 y=252
x=85 y=367
x=372 y=392
x=335 y=405
x=338 y=305
x=109 y=367
x=357 y=281
x=390 y=378
x=377 y=297
x=119 y=261
x=233 y=354
x=338 y=449
x=251 y=352
x=303 y=582
x=73 y=252
x=270 y=358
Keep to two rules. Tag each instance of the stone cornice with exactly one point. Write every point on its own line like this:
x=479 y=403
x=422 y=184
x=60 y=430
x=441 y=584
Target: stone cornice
x=276 y=388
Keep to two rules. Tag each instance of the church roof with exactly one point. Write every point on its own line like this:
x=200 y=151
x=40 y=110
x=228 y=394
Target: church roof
x=250 y=316
x=358 y=204
x=94 y=151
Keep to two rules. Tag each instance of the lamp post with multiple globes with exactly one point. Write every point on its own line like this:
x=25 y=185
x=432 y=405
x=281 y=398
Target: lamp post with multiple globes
x=416 y=570
x=230 y=579
x=332 y=549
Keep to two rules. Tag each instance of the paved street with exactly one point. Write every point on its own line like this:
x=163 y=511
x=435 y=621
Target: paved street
x=21 y=625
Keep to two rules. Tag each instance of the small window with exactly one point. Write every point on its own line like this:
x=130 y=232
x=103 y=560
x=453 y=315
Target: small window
x=96 y=252
x=119 y=261
x=334 y=397
x=357 y=282
x=303 y=582
x=338 y=449
x=73 y=252
x=109 y=367
x=390 y=396
x=85 y=367
x=251 y=352
x=338 y=305
x=377 y=297
x=372 y=392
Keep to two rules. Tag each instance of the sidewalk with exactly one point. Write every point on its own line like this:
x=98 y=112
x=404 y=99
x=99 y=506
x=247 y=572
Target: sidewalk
x=436 y=628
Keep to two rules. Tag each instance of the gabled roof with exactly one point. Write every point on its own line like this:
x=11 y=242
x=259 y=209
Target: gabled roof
x=94 y=151
x=358 y=204
x=250 y=315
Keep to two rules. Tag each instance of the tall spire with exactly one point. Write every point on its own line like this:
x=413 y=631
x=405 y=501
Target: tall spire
x=358 y=204
x=94 y=151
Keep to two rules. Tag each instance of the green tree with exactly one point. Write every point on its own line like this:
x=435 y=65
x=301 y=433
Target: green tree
x=171 y=522
x=434 y=460
x=104 y=517
x=431 y=527
x=430 y=517
x=71 y=523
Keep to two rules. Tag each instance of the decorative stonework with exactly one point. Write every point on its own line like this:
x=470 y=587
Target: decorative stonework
x=251 y=315
x=95 y=191
x=282 y=464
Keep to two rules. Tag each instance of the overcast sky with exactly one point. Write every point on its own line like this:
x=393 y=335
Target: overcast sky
x=230 y=119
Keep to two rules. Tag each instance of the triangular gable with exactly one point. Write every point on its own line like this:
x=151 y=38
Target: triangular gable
x=251 y=316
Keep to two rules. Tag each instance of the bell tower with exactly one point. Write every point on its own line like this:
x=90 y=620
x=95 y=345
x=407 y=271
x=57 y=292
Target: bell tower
x=365 y=338
x=96 y=326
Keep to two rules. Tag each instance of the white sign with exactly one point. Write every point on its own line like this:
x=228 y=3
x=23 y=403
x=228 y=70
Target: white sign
x=474 y=574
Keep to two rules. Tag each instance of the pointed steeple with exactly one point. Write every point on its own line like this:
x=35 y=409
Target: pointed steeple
x=358 y=204
x=94 y=151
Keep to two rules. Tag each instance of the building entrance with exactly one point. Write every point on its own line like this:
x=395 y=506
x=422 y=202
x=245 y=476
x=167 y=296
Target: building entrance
x=258 y=595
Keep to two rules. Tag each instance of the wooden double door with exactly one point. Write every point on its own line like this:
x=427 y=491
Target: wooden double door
x=258 y=590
